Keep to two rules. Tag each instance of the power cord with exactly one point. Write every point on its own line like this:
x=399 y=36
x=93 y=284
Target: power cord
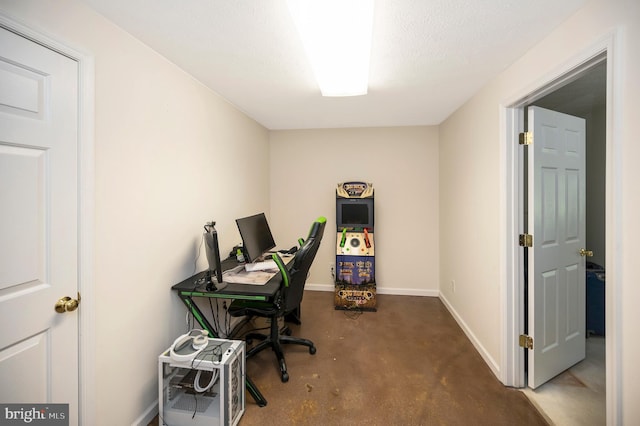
x=196 y=382
x=216 y=356
x=195 y=262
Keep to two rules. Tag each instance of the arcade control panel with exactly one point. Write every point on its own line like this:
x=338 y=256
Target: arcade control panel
x=355 y=243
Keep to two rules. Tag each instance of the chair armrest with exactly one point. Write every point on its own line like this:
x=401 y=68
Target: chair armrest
x=284 y=271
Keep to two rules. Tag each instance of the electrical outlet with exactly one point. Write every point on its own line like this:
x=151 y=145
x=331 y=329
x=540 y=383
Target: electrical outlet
x=453 y=286
x=332 y=269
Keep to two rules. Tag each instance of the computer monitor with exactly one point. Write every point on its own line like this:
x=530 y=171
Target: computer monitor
x=213 y=253
x=256 y=236
x=354 y=213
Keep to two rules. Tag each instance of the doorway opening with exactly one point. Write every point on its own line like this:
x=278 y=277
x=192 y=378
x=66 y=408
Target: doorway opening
x=581 y=386
x=578 y=71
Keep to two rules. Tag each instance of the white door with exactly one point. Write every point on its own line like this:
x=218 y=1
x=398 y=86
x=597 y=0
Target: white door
x=38 y=224
x=556 y=267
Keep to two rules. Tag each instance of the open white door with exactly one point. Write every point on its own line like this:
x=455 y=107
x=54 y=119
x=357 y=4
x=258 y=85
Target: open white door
x=38 y=224
x=556 y=277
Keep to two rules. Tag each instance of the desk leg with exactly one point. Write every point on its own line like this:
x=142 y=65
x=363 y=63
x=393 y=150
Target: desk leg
x=255 y=393
x=198 y=315
x=206 y=325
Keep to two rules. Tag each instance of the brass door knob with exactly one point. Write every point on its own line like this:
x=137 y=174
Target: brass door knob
x=67 y=304
x=586 y=253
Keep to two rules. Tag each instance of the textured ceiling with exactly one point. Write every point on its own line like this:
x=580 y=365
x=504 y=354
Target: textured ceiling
x=428 y=56
x=581 y=97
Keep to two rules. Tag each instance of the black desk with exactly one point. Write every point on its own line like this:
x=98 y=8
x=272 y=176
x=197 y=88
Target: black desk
x=195 y=286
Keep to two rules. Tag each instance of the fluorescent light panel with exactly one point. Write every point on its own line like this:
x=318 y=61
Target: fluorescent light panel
x=337 y=38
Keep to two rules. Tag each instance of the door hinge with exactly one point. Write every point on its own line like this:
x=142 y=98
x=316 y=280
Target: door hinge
x=525 y=240
x=526 y=341
x=525 y=138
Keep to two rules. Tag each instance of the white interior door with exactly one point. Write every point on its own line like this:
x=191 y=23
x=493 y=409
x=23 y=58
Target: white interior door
x=38 y=224
x=556 y=267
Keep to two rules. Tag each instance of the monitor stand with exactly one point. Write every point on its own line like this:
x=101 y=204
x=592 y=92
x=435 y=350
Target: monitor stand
x=212 y=284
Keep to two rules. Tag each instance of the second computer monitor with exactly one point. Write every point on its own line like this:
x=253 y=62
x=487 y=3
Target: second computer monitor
x=256 y=236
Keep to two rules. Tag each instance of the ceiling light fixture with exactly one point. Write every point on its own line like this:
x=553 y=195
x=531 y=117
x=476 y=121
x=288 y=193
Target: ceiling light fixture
x=336 y=35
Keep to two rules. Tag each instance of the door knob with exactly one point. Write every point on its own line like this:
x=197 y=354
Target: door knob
x=67 y=304
x=586 y=253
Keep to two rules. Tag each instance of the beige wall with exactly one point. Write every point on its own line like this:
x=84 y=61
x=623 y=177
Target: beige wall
x=169 y=156
x=469 y=143
x=469 y=224
x=402 y=164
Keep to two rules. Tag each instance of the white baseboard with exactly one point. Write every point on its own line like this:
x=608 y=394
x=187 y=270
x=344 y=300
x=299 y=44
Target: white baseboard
x=318 y=287
x=408 y=292
x=493 y=365
x=148 y=415
x=380 y=290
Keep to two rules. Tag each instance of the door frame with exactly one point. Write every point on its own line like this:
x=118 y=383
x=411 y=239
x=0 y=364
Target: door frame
x=512 y=363
x=85 y=164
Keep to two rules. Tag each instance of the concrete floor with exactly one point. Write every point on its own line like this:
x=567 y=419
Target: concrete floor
x=577 y=397
x=409 y=363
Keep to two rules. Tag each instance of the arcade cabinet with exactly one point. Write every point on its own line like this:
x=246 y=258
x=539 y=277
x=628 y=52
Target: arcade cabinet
x=355 y=282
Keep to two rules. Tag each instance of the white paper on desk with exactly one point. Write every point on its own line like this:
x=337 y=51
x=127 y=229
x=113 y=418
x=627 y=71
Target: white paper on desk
x=266 y=265
x=241 y=276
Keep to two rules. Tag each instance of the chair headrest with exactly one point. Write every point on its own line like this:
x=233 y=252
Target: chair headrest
x=317 y=228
